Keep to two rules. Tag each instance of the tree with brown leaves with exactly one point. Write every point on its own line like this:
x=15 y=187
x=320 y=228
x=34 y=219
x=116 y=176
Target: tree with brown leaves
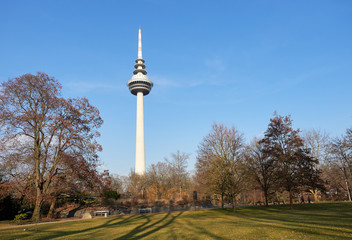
x=33 y=114
x=295 y=167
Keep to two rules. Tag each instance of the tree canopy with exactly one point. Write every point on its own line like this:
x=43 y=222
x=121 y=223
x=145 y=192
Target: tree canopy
x=41 y=130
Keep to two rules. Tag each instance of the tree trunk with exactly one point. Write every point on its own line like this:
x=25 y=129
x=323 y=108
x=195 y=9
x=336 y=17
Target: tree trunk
x=38 y=206
x=234 y=203
x=222 y=200
x=38 y=179
x=291 y=199
x=315 y=194
x=348 y=190
x=266 y=198
x=52 y=207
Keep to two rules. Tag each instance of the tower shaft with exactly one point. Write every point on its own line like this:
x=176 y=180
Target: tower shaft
x=140 y=159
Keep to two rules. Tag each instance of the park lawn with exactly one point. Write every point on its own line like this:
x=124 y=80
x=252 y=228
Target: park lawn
x=314 y=221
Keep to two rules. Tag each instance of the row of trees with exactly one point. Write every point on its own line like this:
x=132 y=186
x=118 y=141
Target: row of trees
x=284 y=164
x=165 y=180
x=277 y=162
x=283 y=161
x=48 y=151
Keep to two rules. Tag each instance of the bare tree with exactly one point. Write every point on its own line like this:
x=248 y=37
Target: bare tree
x=117 y=183
x=342 y=158
x=135 y=185
x=261 y=167
x=335 y=182
x=348 y=143
x=31 y=108
x=219 y=162
x=319 y=144
x=236 y=178
x=178 y=170
x=158 y=178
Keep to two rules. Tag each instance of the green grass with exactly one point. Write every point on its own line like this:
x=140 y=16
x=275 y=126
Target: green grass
x=314 y=221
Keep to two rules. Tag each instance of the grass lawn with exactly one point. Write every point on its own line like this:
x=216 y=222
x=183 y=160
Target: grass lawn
x=314 y=221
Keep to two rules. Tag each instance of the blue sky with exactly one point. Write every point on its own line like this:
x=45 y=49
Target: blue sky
x=233 y=62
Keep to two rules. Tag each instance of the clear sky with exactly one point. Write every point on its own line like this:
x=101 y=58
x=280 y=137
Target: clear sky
x=233 y=62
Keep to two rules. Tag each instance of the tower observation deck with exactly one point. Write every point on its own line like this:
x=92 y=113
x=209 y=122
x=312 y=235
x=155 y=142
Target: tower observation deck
x=139 y=81
x=140 y=85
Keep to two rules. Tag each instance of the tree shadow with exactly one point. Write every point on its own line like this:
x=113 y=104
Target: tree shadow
x=139 y=229
x=202 y=230
x=332 y=223
x=304 y=222
x=301 y=228
x=67 y=234
x=145 y=229
x=310 y=223
x=300 y=217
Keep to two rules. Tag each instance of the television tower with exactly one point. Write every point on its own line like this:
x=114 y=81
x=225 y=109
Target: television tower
x=140 y=85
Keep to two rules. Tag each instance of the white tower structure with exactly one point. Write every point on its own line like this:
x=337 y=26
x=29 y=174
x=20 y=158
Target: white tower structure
x=140 y=85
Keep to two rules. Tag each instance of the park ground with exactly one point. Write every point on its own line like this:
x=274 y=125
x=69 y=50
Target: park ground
x=307 y=221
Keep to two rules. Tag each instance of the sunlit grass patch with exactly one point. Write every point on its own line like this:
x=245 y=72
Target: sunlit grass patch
x=315 y=221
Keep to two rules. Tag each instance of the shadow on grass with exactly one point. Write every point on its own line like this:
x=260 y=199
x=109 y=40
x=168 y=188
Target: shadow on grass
x=326 y=233
x=202 y=231
x=340 y=217
x=142 y=230
x=54 y=234
x=326 y=220
x=323 y=221
x=135 y=233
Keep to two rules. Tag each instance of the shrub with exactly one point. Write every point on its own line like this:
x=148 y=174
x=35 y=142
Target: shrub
x=20 y=217
x=111 y=194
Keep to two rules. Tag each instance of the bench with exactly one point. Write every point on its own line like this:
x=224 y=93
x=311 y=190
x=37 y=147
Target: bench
x=104 y=213
x=144 y=210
